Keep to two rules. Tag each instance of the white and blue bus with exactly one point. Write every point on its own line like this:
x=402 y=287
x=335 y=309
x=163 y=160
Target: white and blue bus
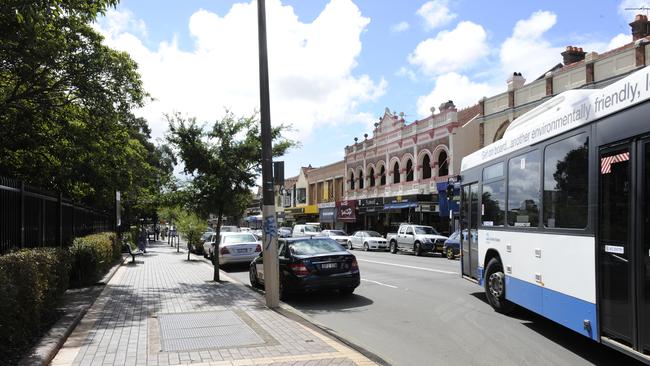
x=555 y=216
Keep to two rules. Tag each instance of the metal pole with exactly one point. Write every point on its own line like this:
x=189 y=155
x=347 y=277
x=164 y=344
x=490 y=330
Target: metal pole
x=270 y=252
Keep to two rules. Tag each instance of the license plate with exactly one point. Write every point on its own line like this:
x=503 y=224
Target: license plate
x=242 y=250
x=329 y=265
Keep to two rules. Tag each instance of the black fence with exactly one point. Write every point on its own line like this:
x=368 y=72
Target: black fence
x=32 y=217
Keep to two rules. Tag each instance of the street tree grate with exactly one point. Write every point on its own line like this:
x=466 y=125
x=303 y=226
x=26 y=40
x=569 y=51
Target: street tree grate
x=205 y=330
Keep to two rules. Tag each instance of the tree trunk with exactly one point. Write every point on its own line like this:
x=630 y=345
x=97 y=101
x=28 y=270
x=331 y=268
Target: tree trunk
x=215 y=257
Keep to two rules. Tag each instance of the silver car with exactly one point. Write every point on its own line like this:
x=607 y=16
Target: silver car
x=367 y=240
x=339 y=235
x=234 y=247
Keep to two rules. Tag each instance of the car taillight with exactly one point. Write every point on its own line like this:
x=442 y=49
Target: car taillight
x=224 y=250
x=299 y=269
x=258 y=248
x=354 y=267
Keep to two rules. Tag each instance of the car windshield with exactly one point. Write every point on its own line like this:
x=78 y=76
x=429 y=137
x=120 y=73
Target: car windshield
x=425 y=230
x=314 y=246
x=206 y=236
x=337 y=233
x=228 y=228
x=311 y=229
x=239 y=238
x=374 y=234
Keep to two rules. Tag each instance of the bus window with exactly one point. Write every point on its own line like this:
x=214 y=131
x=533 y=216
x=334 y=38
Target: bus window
x=523 y=190
x=565 y=182
x=494 y=204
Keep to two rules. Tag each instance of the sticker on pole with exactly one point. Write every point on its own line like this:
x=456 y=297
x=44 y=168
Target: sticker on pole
x=270 y=230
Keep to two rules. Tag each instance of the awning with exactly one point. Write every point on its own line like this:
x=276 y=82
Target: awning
x=327 y=215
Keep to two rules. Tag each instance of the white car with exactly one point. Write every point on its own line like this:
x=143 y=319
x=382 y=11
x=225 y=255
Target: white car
x=245 y=229
x=229 y=229
x=339 y=235
x=305 y=230
x=367 y=240
x=234 y=247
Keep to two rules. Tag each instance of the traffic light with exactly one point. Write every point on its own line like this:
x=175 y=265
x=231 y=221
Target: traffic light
x=450 y=192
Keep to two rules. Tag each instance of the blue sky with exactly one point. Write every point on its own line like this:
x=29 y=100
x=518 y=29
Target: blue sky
x=335 y=65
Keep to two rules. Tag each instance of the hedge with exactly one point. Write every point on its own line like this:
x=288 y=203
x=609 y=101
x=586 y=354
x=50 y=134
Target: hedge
x=32 y=282
x=92 y=256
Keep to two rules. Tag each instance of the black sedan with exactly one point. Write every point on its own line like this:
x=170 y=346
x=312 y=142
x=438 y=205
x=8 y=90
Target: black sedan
x=309 y=264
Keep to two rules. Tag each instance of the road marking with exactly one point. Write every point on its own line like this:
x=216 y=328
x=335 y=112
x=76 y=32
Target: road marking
x=405 y=266
x=378 y=283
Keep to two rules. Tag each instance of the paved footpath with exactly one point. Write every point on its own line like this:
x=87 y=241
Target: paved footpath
x=165 y=310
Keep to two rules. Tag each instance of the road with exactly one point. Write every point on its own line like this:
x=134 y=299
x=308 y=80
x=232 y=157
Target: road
x=419 y=311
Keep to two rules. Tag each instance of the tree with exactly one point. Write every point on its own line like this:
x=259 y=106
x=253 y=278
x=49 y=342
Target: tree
x=66 y=102
x=224 y=162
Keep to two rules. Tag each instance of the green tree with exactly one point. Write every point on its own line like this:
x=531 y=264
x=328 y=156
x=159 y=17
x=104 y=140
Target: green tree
x=223 y=161
x=66 y=102
x=192 y=228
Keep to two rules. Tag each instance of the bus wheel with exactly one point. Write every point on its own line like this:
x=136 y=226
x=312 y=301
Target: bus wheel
x=495 y=287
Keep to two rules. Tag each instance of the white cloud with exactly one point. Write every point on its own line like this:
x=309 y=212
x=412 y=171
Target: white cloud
x=405 y=71
x=619 y=40
x=526 y=50
x=452 y=50
x=455 y=87
x=399 y=27
x=310 y=65
x=436 y=13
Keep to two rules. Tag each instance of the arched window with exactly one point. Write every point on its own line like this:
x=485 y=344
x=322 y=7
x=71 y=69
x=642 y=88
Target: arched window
x=426 y=167
x=396 y=173
x=361 y=179
x=371 y=175
x=351 y=180
x=409 y=170
x=382 y=174
x=443 y=164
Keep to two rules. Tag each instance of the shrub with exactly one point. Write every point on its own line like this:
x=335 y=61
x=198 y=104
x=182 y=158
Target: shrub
x=32 y=282
x=192 y=228
x=92 y=256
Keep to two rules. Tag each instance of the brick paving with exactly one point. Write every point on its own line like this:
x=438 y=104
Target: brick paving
x=123 y=328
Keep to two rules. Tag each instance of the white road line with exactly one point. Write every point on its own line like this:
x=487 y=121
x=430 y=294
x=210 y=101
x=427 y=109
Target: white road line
x=405 y=266
x=378 y=283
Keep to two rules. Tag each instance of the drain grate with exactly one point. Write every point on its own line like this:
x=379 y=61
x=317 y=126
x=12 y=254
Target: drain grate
x=217 y=329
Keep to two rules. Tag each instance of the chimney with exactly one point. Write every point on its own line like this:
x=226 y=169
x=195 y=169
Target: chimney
x=640 y=27
x=516 y=81
x=572 y=55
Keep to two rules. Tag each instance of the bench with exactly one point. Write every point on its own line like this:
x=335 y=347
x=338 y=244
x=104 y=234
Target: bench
x=132 y=253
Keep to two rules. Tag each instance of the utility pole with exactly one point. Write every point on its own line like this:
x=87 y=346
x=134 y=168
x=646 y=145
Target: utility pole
x=270 y=242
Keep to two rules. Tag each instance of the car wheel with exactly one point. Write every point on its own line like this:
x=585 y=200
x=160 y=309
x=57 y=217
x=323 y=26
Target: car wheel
x=450 y=253
x=495 y=287
x=350 y=245
x=365 y=247
x=252 y=275
x=393 y=247
x=417 y=249
x=346 y=290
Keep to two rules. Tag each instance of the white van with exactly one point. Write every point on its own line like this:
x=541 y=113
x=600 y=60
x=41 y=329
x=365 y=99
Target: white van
x=306 y=230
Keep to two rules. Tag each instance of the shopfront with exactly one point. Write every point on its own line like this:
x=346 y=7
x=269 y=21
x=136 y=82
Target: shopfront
x=347 y=215
x=303 y=214
x=422 y=209
x=371 y=215
x=327 y=215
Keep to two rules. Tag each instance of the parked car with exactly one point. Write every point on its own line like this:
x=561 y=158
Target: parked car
x=285 y=232
x=340 y=236
x=367 y=240
x=234 y=247
x=305 y=230
x=229 y=229
x=309 y=264
x=245 y=229
x=451 y=248
x=418 y=239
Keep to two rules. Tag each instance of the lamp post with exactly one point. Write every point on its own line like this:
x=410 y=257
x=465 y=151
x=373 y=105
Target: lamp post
x=270 y=252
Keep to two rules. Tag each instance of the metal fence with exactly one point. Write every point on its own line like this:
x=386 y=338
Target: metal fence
x=32 y=217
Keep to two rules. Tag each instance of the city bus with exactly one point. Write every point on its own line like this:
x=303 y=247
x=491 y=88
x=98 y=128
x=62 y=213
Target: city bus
x=555 y=215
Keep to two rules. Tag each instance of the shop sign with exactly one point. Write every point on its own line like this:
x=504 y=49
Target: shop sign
x=327 y=205
x=328 y=214
x=346 y=210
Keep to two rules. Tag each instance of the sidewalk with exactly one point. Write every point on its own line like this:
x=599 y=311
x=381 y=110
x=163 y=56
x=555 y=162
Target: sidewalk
x=164 y=310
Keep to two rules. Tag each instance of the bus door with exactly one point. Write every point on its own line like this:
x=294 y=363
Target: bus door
x=468 y=233
x=624 y=244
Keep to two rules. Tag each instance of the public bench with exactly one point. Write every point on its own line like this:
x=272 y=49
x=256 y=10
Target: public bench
x=133 y=253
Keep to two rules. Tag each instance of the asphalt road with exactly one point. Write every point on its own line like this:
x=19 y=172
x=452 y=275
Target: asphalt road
x=419 y=311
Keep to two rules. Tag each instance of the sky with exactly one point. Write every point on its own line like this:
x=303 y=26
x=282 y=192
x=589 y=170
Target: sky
x=336 y=65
